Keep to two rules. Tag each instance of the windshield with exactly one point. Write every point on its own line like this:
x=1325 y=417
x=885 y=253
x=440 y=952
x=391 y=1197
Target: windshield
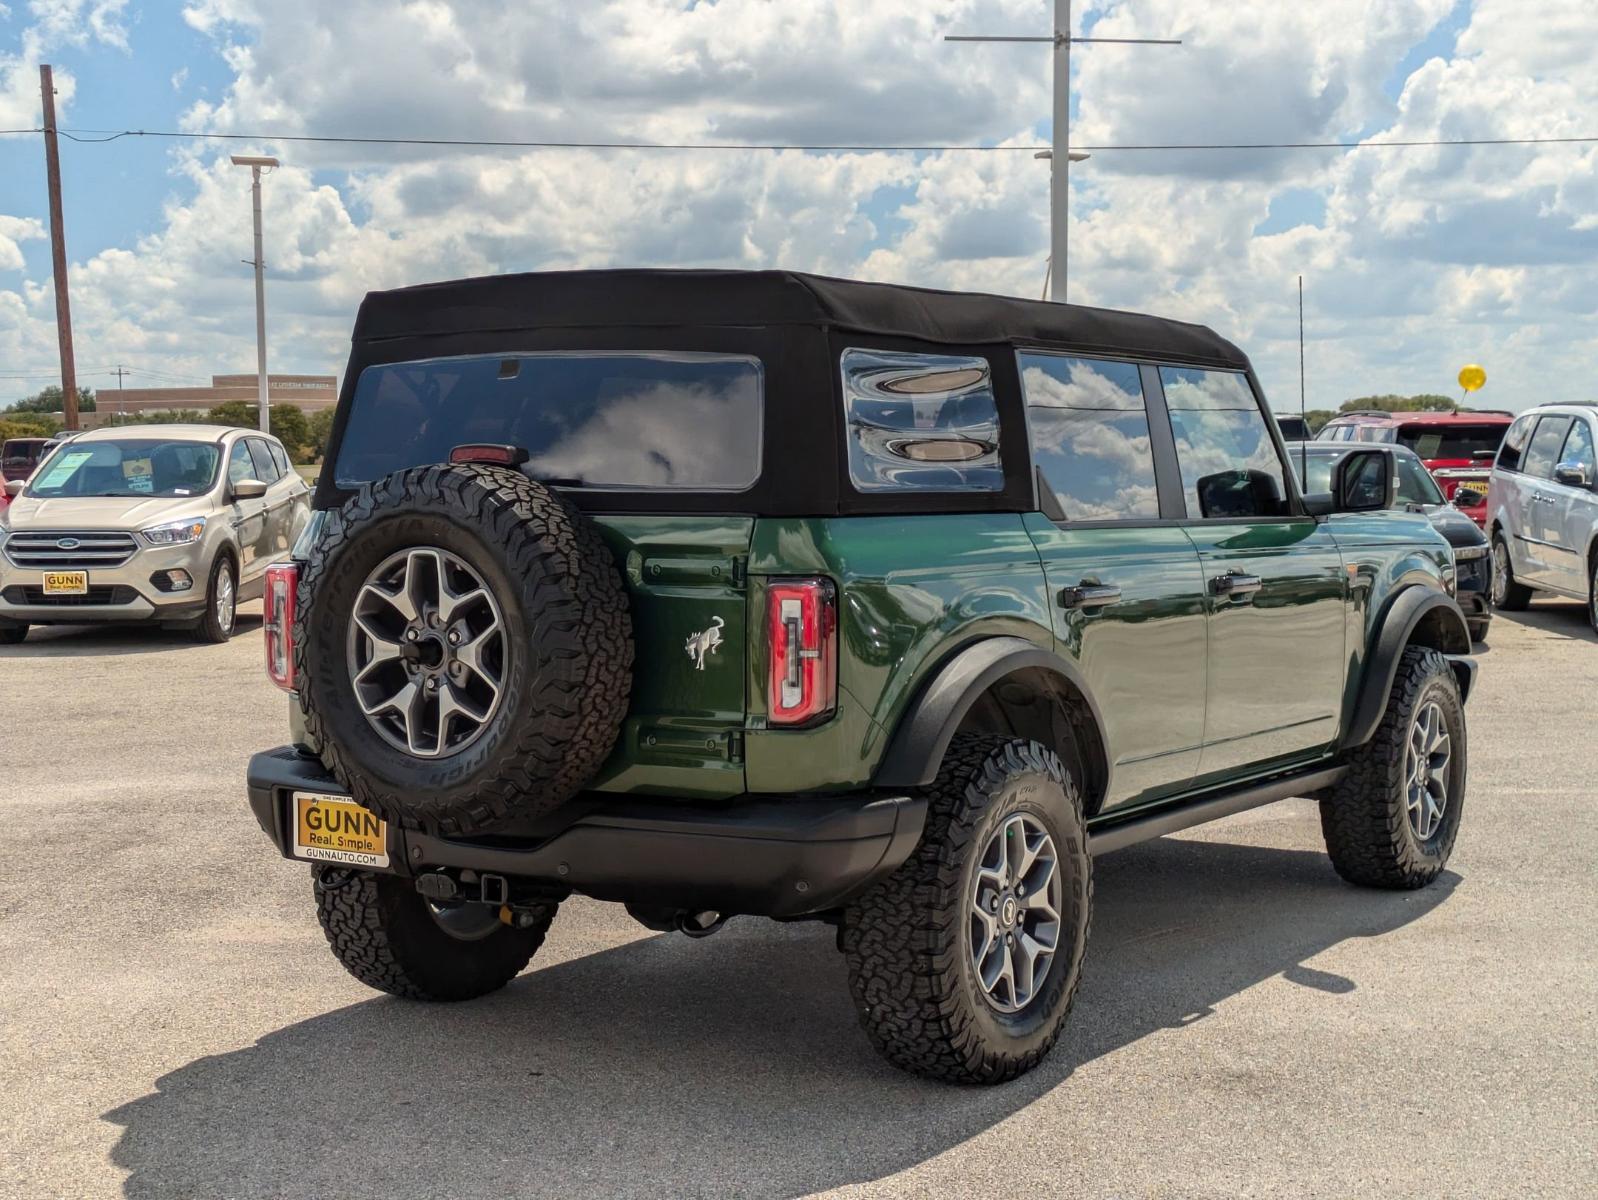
x=1453 y=441
x=127 y=467
x=1415 y=484
x=602 y=420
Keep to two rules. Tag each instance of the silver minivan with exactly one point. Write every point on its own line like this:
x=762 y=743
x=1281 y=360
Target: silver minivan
x=1542 y=511
x=168 y=523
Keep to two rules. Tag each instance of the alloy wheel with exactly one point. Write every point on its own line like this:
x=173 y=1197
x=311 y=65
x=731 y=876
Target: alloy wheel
x=1500 y=572
x=427 y=652
x=1014 y=913
x=224 y=599
x=1426 y=762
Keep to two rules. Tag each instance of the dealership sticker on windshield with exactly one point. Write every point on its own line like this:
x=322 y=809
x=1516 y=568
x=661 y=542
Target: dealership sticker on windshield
x=336 y=829
x=65 y=467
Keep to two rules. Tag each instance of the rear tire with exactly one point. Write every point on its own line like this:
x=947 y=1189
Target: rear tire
x=922 y=944
x=1506 y=593
x=1383 y=824
x=386 y=935
x=221 y=603
x=12 y=635
x=1478 y=631
x=1592 y=593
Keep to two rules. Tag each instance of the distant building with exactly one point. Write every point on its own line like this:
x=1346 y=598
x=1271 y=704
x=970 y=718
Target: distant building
x=308 y=393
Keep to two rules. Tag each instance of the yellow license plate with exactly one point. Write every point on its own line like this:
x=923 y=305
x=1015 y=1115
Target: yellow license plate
x=66 y=583
x=336 y=829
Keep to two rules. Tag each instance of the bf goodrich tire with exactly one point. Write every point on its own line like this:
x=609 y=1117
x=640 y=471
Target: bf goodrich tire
x=464 y=645
x=387 y=935
x=944 y=954
x=1391 y=821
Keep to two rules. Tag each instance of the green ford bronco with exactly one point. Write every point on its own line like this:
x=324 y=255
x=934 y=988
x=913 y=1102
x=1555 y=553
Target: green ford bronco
x=721 y=593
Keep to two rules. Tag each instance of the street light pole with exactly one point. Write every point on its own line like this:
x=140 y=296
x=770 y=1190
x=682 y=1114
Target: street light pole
x=1060 y=166
x=255 y=162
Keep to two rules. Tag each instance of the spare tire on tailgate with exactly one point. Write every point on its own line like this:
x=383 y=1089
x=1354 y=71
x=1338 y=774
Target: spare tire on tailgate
x=463 y=647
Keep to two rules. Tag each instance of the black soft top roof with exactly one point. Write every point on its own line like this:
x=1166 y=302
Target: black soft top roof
x=679 y=298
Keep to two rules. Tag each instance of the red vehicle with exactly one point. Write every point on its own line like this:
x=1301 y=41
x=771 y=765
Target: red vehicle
x=1458 y=447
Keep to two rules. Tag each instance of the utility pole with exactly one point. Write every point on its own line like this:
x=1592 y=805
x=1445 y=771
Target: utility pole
x=255 y=162
x=1060 y=161
x=58 y=251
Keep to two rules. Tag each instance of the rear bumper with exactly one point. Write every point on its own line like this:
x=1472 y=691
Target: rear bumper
x=764 y=856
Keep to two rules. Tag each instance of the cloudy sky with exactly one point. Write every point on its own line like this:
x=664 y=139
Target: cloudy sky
x=1415 y=260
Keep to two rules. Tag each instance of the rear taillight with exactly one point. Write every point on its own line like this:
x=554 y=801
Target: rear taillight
x=282 y=588
x=803 y=633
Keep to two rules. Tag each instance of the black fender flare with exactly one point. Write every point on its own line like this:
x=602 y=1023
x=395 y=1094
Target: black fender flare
x=1394 y=632
x=915 y=750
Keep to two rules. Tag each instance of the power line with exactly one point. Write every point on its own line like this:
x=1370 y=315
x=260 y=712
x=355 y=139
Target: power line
x=101 y=136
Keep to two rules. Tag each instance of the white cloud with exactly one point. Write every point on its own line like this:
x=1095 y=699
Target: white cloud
x=1424 y=259
x=12 y=231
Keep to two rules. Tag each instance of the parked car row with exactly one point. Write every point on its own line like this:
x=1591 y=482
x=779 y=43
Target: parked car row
x=1457 y=447
x=172 y=524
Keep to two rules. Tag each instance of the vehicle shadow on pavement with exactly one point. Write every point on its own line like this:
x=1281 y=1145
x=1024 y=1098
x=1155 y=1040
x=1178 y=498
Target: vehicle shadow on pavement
x=732 y=1066
x=103 y=641
x=1558 y=618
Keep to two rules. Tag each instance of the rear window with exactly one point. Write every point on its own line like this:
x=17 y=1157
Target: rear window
x=1453 y=441
x=599 y=420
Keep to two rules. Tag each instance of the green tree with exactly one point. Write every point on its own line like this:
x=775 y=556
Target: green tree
x=1425 y=402
x=236 y=413
x=1317 y=417
x=321 y=430
x=292 y=429
x=25 y=426
x=53 y=400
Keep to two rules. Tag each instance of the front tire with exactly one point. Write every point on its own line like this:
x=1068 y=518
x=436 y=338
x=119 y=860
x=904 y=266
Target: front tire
x=956 y=968
x=1592 y=594
x=221 y=603
x=1391 y=821
x=391 y=938
x=1506 y=593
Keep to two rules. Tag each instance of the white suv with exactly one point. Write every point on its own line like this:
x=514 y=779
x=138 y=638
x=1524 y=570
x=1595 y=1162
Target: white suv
x=1542 y=512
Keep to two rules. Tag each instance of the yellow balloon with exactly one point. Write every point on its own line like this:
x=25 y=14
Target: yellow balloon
x=1472 y=377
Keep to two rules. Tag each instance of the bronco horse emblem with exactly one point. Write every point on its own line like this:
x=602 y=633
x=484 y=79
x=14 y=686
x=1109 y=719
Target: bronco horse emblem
x=705 y=642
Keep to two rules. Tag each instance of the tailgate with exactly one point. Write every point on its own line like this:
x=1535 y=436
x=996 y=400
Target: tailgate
x=687 y=586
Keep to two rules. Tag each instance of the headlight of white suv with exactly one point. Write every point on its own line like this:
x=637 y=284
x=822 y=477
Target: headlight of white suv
x=1466 y=553
x=175 y=533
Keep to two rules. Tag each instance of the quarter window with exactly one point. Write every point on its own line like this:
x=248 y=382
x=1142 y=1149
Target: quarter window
x=1544 y=449
x=1578 y=448
x=1230 y=467
x=920 y=422
x=1090 y=436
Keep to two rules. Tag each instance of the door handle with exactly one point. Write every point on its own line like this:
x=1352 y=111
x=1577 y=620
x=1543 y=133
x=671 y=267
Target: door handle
x=1235 y=586
x=1089 y=595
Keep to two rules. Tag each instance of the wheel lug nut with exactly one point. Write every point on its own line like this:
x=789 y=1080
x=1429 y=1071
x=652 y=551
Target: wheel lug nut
x=432 y=683
x=454 y=638
x=1019 y=890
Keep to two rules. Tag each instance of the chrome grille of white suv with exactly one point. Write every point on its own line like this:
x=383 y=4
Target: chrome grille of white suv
x=69 y=550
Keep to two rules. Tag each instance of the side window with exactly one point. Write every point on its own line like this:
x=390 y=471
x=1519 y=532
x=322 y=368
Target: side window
x=280 y=457
x=1514 y=446
x=1090 y=436
x=920 y=422
x=1578 y=447
x=240 y=465
x=1230 y=468
x=1543 y=451
x=265 y=468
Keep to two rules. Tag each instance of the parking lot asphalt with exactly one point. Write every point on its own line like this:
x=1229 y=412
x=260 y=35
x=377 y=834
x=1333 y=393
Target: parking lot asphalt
x=172 y=1023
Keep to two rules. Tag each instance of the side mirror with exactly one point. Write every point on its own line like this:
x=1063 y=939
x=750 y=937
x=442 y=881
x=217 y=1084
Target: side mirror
x=1247 y=493
x=1364 y=481
x=249 y=489
x=1573 y=474
x=1468 y=495
x=14 y=487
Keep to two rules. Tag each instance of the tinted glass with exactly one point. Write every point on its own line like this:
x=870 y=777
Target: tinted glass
x=1515 y=443
x=266 y=469
x=920 y=422
x=1452 y=441
x=240 y=465
x=1090 y=436
x=280 y=457
x=1230 y=467
x=1543 y=451
x=1578 y=447
x=602 y=420
x=1415 y=482
x=127 y=467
